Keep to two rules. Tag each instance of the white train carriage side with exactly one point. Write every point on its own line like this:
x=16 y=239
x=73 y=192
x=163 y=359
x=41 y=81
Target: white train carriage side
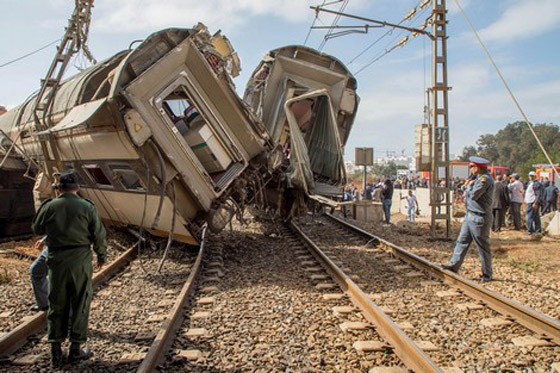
x=157 y=134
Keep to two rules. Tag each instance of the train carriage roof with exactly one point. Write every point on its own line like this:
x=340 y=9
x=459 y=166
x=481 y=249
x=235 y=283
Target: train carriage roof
x=80 y=88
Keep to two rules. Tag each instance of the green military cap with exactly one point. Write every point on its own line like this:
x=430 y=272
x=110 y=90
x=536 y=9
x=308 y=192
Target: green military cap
x=68 y=178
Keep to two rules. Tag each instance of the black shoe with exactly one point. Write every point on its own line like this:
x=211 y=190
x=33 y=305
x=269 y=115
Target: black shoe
x=485 y=279
x=36 y=308
x=56 y=355
x=450 y=267
x=79 y=354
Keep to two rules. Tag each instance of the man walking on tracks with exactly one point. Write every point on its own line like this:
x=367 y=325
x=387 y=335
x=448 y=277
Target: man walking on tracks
x=478 y=220
x=71 y=224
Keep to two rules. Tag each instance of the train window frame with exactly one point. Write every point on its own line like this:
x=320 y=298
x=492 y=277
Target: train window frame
x=119 y=170
x=87 y=169
x=217 y=126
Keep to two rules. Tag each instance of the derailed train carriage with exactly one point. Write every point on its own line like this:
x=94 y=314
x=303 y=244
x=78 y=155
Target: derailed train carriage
x=157 y=134
x=161 y=140
x=308 y=103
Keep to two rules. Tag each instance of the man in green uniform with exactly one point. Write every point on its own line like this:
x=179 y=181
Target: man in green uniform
x=72 y=225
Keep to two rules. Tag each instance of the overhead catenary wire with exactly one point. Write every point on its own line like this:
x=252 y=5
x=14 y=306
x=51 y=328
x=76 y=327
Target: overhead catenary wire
x=388 y=32
x=516 y=102
x=29 y=54
x=335 y=21
x=386 y=51
x=313 y=24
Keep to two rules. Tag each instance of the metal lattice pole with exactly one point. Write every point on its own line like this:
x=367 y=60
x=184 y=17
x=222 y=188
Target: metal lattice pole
x=440 y=196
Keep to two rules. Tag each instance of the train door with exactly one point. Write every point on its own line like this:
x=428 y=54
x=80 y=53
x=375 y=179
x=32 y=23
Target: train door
x=171 y=100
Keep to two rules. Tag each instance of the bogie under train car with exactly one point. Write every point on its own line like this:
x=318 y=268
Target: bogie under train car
x=157 y=134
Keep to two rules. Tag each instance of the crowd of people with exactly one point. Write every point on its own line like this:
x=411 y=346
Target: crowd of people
x=510 y=193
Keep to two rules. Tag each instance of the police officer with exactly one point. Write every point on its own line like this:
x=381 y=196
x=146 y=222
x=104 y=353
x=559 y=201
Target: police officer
x=478 y=220
x=71 y=225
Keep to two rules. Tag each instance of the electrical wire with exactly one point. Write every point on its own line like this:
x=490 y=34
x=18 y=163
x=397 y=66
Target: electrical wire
x=388 y=32
x=507 y=87
x=170 y=237
x=386 y=51
x=335 y=21
x=313 y=24
x=29 y=54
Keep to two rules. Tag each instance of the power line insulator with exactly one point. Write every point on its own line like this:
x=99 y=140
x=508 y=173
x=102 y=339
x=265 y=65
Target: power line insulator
x=409 y=15
x=402 y=42
x=424 y=4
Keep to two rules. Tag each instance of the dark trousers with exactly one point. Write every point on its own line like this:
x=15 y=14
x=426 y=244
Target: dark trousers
x=516 y=214
x=549 y=206
x=499 y=219
x=70 y=294
x=533 y=219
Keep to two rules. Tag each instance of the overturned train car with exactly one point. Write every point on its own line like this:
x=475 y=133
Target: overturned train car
x=157 y=134
x=308 y=103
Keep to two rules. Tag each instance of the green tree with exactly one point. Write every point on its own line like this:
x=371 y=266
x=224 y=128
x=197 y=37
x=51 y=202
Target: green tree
x=515 y=147
x=468 y=152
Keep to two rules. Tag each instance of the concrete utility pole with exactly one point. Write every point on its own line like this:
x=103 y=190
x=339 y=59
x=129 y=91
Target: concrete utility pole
x=440 y=195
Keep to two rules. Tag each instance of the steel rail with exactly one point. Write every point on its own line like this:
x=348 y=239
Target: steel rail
x=408 y=351
x=541 y=324
x=165 y=335
x=17 y=337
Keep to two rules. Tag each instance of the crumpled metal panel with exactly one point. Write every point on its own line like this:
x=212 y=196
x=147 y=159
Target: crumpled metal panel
x=77 y=116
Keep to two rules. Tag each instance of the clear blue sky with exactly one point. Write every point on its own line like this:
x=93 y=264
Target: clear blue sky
x=522 y=35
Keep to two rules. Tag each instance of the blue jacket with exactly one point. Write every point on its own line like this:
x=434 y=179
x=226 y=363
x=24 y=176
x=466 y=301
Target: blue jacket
x=479 y=196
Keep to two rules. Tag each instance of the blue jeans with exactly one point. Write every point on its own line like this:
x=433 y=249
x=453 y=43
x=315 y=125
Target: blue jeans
x=39 y=280
x=411 y=211
x=387 y=210
x=533 y=219
x=475 y=228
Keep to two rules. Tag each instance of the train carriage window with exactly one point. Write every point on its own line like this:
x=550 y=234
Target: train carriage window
x=97 y=175
x=127 y=177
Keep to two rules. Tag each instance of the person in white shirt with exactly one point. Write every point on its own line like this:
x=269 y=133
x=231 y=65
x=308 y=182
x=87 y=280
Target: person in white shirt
x=516 y=199
x=534 y=200
x=411 y=205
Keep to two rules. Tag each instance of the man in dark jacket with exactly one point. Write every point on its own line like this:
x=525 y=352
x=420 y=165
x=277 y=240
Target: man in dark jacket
x=550 y=198
x=71 y=225
x=500 y=203
x=387 y=199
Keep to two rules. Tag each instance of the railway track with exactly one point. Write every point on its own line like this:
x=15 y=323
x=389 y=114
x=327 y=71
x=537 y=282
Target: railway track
x=132 y=316
x=455 y=321
x=263 y=308
x=294 y=298
x=36 y=323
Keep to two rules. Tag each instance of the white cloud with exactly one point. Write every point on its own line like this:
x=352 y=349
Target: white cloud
x=454 y=9
x=139 y=15
x=524 y=19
